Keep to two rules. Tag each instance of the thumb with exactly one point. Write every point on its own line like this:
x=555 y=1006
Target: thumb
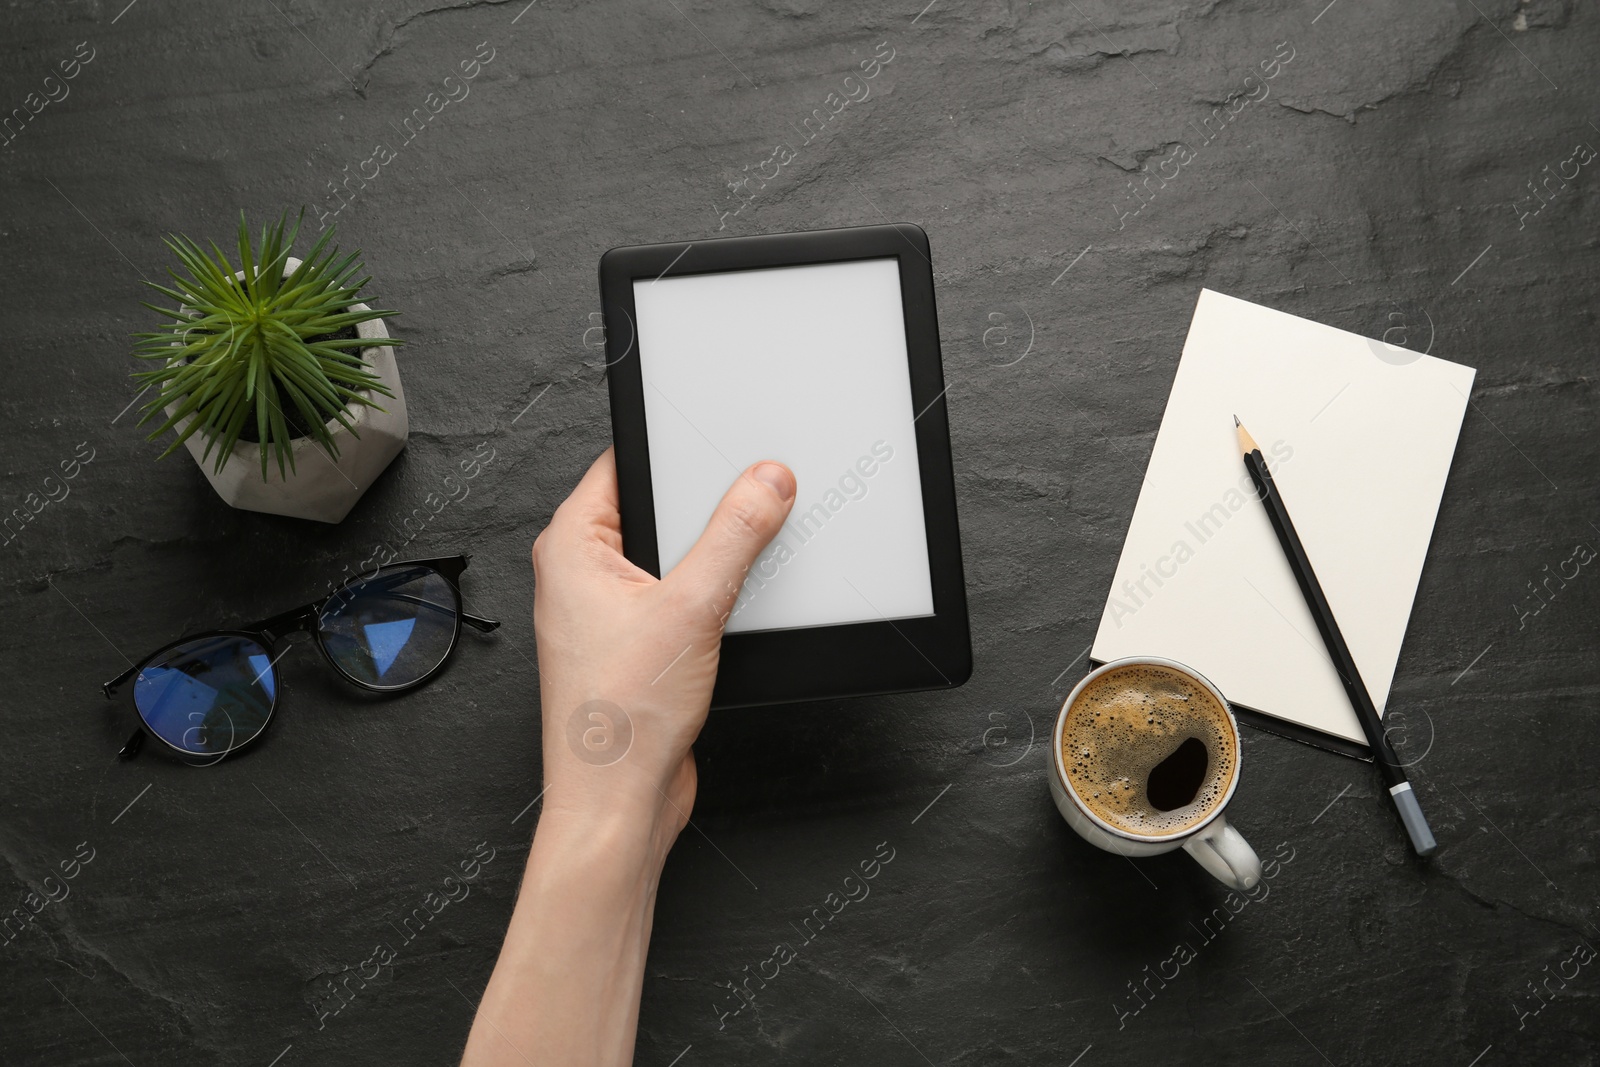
x=748 y=518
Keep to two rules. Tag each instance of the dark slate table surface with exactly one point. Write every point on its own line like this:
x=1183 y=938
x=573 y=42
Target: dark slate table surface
x=1378 y=181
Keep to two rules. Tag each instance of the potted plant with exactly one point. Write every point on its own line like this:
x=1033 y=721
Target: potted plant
x=279 y=357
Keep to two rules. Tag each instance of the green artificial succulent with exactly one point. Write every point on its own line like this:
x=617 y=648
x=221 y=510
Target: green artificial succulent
x=245 y=342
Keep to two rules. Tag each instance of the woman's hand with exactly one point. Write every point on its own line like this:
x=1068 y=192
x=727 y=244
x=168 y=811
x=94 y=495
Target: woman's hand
x=628 y=661
x=627 y=664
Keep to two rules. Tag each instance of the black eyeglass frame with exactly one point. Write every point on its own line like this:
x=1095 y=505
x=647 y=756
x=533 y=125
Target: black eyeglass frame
x=268 y=632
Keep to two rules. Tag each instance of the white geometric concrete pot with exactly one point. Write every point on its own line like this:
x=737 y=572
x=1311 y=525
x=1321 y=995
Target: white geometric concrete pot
x=318 y=487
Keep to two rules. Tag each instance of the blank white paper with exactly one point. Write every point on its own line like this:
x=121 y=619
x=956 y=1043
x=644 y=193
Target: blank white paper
x=1359 y=447
x=808 y=366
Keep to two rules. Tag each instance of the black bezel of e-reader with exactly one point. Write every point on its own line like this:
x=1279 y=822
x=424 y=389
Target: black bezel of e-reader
x=821 y=662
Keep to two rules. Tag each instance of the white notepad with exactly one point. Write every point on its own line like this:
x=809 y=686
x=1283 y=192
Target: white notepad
x=1359 y=439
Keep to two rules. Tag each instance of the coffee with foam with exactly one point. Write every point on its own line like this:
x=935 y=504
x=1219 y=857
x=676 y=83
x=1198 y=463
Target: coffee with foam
x=1149 y=749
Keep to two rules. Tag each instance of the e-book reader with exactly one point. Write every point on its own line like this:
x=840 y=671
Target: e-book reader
x=819 y=350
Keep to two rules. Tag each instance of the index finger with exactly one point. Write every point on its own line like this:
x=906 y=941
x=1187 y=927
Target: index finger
x=594 y=502
x=597 y=489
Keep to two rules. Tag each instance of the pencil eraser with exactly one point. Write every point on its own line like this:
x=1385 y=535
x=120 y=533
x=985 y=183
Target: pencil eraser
x=1405 y=800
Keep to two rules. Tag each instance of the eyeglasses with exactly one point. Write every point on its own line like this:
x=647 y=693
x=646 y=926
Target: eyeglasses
x=209 y=694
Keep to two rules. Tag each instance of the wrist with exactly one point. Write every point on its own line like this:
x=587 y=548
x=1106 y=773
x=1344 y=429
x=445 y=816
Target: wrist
x=625 y=834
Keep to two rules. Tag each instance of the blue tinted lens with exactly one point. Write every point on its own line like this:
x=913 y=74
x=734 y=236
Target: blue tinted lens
x=393 y=628
x=208 y=696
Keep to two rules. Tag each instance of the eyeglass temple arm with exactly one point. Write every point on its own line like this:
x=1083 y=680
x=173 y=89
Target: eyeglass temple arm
x=301 y=618
x=130 y=748
x=477 y=622
x=110 y=688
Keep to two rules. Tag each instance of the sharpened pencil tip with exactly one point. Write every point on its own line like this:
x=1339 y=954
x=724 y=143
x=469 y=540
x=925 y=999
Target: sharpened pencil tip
x=1247 y=444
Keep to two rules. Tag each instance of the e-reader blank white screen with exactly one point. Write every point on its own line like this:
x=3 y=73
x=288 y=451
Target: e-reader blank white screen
x=808 y=366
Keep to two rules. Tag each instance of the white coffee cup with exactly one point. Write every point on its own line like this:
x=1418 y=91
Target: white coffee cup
x=1214 y=844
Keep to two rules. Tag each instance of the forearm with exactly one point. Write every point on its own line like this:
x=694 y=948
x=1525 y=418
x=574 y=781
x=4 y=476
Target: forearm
x=627 y=663
x=566 y=987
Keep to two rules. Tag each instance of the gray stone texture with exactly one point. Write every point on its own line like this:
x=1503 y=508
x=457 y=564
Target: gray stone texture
x=1380 y=184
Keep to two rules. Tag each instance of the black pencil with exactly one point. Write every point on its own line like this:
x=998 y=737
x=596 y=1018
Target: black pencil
x=1405 y=798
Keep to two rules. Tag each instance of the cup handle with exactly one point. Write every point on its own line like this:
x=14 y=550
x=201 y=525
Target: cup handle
x=1220 y=849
